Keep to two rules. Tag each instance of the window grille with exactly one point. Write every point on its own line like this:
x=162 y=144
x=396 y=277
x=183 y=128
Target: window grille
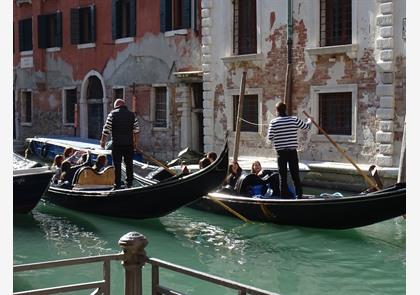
x=335 y=112
x=249 y=113
x=336 y=22
x=70 y=101
x=26 y=107
x=160 y=107
x=244 y=27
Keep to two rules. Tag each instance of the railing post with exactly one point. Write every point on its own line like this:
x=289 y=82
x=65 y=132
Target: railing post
x=133 y=245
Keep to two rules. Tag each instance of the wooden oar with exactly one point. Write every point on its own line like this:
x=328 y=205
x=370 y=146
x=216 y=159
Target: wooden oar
x=229 y=209
x=157 y=162
x=367 y=179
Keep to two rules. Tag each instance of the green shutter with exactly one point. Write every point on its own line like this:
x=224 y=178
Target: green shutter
x=59 y=36
x=186 y=14
x=162 y=16
x=132 y=18
x=74 y=26
x=93 y=23
x=42 y=31
x=21 y=36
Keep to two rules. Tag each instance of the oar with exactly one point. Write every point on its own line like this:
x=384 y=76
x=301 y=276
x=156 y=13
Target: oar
x=229 y=209
x=368 y=180
x=157 y=162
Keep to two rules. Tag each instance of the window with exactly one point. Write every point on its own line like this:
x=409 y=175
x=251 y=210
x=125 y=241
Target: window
x=25 y=34
x=160 y=108
x=336 y=22
x=335 y=112
x=49 y=30
x=244 y=27
x=26 y=107
x=175 y=14
x=123 y=19
x=69 y=104
x=249 y=113
x=117 y=93
x=82 y=25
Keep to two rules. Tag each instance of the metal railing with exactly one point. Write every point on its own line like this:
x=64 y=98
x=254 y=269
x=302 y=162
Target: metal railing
x=133 y=259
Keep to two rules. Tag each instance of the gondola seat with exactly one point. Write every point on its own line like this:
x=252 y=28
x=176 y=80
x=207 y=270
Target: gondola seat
x=87 y=177
x=247 y=185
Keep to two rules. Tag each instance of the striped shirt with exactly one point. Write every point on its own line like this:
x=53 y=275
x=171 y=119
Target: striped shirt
x=121 y=124
x=282 y=132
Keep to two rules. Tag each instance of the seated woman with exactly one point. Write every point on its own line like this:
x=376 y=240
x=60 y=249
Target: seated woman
x=257 y=170
x=101 y=163
x=58 y=160
x=235 y=172
x=204 y=162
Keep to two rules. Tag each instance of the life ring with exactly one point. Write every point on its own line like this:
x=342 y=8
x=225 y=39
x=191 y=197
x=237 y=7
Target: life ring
x=44 y=151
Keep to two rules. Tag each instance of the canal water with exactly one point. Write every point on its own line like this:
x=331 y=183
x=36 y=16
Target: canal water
x=285 y=259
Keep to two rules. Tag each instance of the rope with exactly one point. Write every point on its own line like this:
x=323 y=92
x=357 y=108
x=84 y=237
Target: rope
x=252 y=123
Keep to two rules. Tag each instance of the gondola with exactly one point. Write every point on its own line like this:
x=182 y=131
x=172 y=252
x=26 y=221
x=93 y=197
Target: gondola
x=147 y=198
x=29 y=183
x=312 y=211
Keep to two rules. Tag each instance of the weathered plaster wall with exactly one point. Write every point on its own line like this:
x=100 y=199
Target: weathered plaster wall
x=268 y=73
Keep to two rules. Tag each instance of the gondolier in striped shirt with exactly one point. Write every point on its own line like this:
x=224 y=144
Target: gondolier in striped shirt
x=282 y=132
x=123 y=126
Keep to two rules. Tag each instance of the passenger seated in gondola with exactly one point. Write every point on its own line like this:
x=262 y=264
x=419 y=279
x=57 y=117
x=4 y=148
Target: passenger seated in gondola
x=235 y=172
x=204 y=162
x=257 y=169
x=65 y=176
x=72 y=156
x=212 y=156
x=100 y=164
x=58 y=160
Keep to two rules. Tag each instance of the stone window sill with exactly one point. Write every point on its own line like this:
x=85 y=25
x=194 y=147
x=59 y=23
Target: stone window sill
x=176 y=32
x=86 y=45
x=26 y=53
x=244 y=57
x=53 y=49
x=350 y=50
x=124 y=40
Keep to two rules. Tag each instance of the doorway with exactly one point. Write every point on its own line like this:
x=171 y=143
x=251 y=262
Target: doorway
x=94 y=100
x=197 y=124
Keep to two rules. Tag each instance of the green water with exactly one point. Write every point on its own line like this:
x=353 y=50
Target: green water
x=284 y=259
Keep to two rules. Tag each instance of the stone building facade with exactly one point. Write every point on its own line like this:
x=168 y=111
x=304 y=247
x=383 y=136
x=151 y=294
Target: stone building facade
x=73 y=58
x=348 y=71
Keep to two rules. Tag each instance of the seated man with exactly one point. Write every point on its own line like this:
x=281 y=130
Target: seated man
x=101 y=163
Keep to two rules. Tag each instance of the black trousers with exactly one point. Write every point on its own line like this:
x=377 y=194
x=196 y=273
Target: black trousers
x=290 y=157
x=118 y=153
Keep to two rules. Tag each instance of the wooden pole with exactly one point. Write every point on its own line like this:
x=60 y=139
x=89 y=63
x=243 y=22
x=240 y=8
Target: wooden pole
x=401 y=167
x=367 y=179
x=239 y=117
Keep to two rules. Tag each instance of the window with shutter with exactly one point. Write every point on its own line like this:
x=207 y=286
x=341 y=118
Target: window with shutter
x=244 y=27
x=70 y=100
x=336 y=22
x=160 y=108
x=25 y=34
x=26 y=107
x=49 y=30
x=123 y=18
x=175 y=14
x=82 y=25
x=249 y=113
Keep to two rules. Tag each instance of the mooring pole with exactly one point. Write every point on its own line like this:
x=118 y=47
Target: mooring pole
x=239 y=117
x=133 y=245
x=401 y=167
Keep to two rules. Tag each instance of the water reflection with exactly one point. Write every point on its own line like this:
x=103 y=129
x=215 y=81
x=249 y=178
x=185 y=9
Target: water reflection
x=69 y=238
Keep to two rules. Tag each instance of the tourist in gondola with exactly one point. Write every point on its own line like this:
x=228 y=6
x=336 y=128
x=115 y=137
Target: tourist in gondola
x=58 y=160
x=235 y=172
x=212 y=156
x=257 y=169
x=123 y=126
x=204 y=162
x=282 y=132
x=100 y=164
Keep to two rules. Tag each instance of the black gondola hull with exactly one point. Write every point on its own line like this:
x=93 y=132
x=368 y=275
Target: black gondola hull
x=333 y=213
x=149 y=201
x=28 y=189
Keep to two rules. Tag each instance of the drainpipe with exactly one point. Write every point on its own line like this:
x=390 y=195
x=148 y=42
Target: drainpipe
x=289 y=78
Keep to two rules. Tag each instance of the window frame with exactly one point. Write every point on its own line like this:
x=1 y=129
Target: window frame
x=22 y=110
x=183 y=29
x=153 y=107
x=77 y=26
x=22 y=35
x=229 y=94
x=64 y=105
x=236 y=30
x=44 y=28
x=314 y=94
x=116 y=22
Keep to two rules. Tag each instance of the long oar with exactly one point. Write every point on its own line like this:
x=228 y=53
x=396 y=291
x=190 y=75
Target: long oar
x=157 y=162
x=368 y=180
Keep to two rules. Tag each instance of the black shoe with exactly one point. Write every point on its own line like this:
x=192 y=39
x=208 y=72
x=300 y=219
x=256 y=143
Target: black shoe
x=299 y=197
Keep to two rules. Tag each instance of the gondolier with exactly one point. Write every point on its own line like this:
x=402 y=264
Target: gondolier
x=123 y=126
x=282 y=132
